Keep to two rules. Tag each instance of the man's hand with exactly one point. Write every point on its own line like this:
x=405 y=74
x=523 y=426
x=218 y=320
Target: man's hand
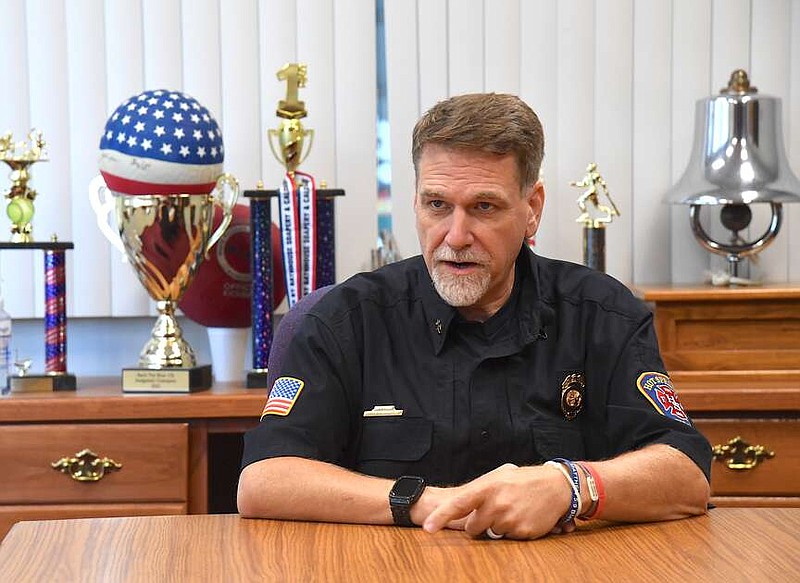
x=519 y=503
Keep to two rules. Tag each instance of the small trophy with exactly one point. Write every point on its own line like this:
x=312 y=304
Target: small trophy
x=594 y=217
x=161 y=159
x=20 y=156
x=306 y=223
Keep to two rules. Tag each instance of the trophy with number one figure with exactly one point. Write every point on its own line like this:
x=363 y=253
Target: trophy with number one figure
x=306 y=223
x=297 y=195
x=594 y=216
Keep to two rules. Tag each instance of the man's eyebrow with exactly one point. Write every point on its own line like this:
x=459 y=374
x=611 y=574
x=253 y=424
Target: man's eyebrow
x=430 y=194
x=487 y=195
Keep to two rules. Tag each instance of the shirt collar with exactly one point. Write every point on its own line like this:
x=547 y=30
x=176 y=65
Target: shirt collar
x=440 y=315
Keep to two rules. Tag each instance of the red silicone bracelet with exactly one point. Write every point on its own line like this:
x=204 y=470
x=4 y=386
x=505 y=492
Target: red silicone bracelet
x=601 y=492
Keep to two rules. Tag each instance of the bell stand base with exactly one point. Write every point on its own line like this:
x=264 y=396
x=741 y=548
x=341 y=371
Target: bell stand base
x=737 y=218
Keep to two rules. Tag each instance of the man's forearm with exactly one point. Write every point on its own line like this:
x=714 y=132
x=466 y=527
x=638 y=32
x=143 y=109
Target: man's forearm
x=302 y=489
x=654 y=483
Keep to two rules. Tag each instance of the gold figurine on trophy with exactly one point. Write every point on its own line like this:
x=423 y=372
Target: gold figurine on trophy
x=594 y=216
x=291 y=134
x=601 y=214
x=20 y=156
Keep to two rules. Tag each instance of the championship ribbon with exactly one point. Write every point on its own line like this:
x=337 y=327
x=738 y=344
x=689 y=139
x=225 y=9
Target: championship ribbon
x=298 y=217
x=297 y=195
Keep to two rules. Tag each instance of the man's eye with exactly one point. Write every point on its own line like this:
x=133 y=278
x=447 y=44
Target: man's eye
x=436 y=204
x=485 y=206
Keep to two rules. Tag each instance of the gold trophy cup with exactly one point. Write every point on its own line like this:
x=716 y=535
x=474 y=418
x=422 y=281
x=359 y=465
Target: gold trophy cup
x=165 y=238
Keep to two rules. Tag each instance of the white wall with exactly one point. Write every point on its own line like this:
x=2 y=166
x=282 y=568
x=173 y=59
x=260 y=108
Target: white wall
x=614 y=81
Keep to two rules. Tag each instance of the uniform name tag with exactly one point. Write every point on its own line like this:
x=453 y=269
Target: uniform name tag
x=383 y=411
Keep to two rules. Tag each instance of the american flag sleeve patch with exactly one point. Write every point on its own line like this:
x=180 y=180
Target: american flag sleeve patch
x=283 y=396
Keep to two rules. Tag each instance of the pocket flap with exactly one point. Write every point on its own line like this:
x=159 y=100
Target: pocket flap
x=395 y=438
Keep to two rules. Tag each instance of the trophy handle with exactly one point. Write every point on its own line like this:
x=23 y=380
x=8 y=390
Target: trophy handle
x=273 y=135
x=103 y=205
x=310 y=135
x=224 y=194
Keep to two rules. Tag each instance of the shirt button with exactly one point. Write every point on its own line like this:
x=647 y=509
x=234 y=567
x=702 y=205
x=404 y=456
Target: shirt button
x=485 y=435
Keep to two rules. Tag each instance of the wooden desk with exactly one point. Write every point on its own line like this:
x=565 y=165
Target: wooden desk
x=729 y=544
x=180 y=453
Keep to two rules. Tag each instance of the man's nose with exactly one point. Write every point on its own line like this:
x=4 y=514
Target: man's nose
x=459 y=233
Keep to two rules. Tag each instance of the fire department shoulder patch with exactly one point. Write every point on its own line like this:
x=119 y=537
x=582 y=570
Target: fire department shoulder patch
x=657 y=388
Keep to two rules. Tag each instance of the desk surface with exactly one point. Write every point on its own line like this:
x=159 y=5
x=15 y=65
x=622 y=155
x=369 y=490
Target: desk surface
x=728 y=544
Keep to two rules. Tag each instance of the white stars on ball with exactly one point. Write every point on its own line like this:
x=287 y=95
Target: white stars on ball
x=165 y=125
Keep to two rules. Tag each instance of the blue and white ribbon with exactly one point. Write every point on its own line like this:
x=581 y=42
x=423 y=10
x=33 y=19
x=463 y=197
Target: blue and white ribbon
x=298 y=215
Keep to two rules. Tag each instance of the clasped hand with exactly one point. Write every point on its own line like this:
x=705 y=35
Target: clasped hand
x=519 y=503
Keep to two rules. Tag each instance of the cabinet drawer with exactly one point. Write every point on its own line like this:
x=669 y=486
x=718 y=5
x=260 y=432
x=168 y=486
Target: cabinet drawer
x=775 y=476
x=153 y=457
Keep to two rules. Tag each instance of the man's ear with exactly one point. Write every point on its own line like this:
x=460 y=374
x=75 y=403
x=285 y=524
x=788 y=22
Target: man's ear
x=534 y=196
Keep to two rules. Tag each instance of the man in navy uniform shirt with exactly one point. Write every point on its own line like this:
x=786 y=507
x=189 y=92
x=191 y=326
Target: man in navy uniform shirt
x=477 y=386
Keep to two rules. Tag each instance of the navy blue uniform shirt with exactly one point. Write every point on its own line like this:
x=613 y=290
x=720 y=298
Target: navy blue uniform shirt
x=473 y=396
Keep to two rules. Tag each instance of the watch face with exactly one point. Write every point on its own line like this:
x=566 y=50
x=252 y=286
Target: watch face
x=407 y=487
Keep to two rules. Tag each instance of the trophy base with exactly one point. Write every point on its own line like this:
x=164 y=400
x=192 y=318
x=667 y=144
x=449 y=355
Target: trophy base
x=41 y=383
x=257 y=379
x=166 y=380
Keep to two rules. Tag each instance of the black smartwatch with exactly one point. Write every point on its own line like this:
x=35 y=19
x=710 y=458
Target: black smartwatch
x=405 y=492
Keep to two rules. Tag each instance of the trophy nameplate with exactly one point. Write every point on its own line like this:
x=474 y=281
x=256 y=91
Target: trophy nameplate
x=166 y=380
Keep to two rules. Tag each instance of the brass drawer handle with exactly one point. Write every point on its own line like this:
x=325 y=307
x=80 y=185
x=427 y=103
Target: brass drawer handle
x=86 y=466
x=740 y=455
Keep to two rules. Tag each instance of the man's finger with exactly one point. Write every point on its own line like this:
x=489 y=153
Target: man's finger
x=454 y=509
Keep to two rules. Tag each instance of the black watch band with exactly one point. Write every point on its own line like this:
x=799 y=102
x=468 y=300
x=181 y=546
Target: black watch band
x=405 y=492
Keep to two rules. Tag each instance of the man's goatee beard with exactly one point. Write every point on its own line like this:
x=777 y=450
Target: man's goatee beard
x=460 y=290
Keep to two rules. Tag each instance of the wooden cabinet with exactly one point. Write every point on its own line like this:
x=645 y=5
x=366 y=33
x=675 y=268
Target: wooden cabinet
x=734 y=356
x=121 y=454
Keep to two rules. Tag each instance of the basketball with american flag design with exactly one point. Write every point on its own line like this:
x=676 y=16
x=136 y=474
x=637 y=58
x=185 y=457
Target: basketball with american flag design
x=161 y=142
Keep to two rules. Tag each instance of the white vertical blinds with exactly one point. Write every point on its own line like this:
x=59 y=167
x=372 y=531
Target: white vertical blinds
x=69 y=64
x=614 y=82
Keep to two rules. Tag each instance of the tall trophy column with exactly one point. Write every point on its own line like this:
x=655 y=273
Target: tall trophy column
x=306 y=212
x=594 y=217
x=20 y=156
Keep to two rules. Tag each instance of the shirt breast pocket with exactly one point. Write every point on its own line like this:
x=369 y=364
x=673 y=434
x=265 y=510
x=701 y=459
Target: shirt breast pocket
x=391 y=447
x=554 y=440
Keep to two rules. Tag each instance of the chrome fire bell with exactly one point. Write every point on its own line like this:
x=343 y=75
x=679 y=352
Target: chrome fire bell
x=737 y=159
